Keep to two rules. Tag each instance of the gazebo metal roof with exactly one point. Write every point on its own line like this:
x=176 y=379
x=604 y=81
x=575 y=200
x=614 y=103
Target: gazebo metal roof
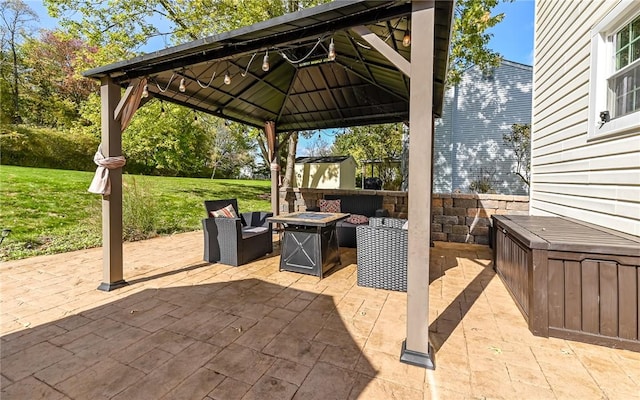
x=360 y=87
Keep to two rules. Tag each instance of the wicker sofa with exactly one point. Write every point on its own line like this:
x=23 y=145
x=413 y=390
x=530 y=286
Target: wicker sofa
x=369 y=206
x=235 y=241
x=382 y=254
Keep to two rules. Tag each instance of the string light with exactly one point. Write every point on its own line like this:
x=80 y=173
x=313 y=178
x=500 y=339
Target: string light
x=332 y=51
x=301 y=60
x=162 y=111
x=168 y=84
x=266 y=66
x=406 y=40
x=246 y=71
x=208 y=84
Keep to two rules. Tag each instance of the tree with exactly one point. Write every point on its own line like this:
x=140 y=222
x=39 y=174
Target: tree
x=162 y=138
x=16 y=16
x=319 y=147
x=232 y=149
x=469 y=39
x=382 y=143
x=131 y=24
x=519 y=139
x=56 y=90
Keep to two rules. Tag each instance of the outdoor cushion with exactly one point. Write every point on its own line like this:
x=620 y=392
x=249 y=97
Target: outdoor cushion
x=225 y=212
x=357 y=219
x=250 y=231
x=332 y=206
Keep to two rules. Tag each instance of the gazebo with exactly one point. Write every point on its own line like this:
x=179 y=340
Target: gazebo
x=341 y=64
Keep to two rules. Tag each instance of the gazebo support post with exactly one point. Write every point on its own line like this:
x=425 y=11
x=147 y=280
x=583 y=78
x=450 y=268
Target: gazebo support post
x=112 y=264
x=272 y=142
x=416 y=349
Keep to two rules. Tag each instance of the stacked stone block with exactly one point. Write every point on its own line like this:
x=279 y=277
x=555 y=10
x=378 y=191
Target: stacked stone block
x=456 y=217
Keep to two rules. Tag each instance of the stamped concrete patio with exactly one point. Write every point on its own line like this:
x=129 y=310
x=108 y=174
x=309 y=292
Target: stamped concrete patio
x=184 y=329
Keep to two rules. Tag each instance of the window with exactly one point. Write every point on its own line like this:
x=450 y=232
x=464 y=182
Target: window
x=624 y=85
x=614 y=106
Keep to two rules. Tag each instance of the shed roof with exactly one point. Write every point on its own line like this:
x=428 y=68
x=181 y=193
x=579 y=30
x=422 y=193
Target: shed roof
x=318 y=160
x=360 y=87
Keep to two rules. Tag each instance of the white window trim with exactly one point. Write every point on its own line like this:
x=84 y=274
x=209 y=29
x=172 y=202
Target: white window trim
x=602 y=67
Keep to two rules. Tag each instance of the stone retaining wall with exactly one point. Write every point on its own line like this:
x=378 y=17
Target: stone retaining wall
x=456 y=217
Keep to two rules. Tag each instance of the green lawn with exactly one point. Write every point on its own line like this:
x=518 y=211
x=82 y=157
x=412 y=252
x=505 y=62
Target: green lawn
x=50 y=211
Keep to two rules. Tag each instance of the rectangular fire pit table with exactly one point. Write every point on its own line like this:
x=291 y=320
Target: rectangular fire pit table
x=309 y=244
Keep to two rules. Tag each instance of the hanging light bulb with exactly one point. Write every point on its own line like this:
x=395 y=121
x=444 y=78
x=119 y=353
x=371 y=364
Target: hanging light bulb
x=162 y=111
x=265 y=62
x=332 y=51
x=195 y=116
x=227 y=78
x=145 y=91
x=182 y=86
x=406 y=40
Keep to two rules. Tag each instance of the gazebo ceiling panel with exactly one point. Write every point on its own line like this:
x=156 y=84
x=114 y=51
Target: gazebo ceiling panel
x=302 y=89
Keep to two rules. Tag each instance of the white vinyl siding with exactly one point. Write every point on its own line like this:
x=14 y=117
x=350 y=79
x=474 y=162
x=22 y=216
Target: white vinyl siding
x=469 y=136
x=594 y=180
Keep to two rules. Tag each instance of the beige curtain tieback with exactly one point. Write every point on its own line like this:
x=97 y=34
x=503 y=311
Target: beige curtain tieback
x=101 y=184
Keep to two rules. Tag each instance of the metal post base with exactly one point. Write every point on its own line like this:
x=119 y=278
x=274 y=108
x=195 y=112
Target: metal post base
x=107 y=287
x=418 y=359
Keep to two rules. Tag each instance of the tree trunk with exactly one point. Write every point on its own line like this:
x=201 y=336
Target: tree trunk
x=291 y=160
x=16 y=106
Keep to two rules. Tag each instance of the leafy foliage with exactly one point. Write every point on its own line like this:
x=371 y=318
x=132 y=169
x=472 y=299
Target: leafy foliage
x=375 y=142
x=170 y=140
x=170 y=143
x=469 y=38
x=519 y=139
x=55 y=89
x=232 y=150
x=484 y=182
x=129 y=25
x=15 y=25
x=47 y=148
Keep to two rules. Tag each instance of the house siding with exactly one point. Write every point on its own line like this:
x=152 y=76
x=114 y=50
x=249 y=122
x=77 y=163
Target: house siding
x=597 y=181
x=469 y=136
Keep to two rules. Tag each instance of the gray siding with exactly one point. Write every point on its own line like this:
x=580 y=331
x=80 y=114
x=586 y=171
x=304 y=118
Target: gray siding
x=476 y=114
x=597 y=181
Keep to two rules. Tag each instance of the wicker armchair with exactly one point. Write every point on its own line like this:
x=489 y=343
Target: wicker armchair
x=235 y=241
x=382 y=254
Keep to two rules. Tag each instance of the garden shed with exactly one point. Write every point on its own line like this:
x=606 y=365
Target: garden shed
x=329 y=172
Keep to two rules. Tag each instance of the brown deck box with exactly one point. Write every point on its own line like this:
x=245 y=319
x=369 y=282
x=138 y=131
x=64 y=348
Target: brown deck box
x=571 y=279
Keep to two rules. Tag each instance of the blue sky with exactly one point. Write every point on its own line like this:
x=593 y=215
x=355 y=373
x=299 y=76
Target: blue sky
x=513 y=37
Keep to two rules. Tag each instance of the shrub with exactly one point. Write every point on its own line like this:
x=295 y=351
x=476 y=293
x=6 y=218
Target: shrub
x=47 y=148
x=484 y=181
x=139 y=211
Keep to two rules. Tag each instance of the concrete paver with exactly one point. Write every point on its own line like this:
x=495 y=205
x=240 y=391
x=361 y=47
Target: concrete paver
x=187 y=329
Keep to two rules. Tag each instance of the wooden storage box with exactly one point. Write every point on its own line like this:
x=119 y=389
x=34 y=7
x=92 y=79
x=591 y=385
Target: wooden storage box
x=571 y=279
